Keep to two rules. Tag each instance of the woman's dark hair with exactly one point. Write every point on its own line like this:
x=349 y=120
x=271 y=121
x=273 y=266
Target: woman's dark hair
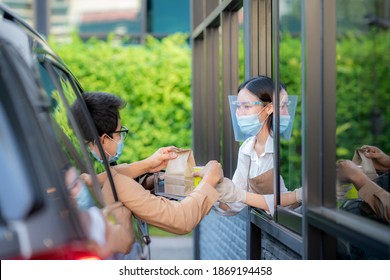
x=263 y=88
x=104 y=109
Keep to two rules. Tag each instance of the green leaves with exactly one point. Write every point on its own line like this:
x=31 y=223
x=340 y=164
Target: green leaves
x=153 y=79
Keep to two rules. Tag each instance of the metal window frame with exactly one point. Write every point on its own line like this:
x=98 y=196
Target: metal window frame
x=208 y=134
x=214 y=77
x=230 y=78
x=318 y=97
x=322 y=222
x=215 y=65
x=258 y=34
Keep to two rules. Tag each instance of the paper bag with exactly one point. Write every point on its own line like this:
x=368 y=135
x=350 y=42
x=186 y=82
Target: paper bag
x=178 y=175
x=366 y=163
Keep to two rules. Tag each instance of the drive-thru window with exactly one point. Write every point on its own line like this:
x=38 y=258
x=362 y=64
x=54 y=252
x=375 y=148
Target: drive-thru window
x=333 y=58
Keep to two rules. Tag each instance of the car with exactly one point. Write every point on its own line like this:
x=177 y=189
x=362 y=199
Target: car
x=39 y=140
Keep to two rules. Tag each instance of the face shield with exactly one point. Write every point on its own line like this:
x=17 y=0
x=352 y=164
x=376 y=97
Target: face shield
x=235 y=107
x=287 y=114
x=288 y=106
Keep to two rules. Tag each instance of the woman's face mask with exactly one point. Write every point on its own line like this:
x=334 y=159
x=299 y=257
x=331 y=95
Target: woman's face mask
x=284 y=123
x=250 y=124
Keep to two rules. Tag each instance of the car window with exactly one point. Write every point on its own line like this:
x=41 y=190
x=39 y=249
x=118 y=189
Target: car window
x=61 y=91
x=14 y=186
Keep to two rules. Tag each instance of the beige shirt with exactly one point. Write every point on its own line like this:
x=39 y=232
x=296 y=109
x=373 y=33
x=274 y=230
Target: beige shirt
x=119 y=234
x=377 y=198
x=172 y=216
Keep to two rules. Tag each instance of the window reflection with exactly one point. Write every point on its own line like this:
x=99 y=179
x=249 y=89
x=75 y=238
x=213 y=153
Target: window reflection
x=61 y=98
x=290 y=69
x=363 y=118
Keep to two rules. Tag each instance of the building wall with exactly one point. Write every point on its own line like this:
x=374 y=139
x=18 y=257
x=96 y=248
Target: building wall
x=225 y=238
x=58 y=16
x=98 y=18
x=272 y=249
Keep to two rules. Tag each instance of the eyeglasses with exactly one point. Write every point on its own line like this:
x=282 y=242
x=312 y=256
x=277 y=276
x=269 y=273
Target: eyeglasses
x=123 y=132
x=246 y=105
x=285 y=104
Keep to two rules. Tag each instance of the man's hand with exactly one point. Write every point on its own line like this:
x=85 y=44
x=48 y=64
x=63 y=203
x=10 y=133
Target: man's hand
x=380 y=159
x=159 y=160
x=212 y=173
x=347 y=171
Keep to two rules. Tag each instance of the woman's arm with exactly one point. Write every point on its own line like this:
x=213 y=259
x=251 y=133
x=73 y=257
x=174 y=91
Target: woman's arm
x=258 y=200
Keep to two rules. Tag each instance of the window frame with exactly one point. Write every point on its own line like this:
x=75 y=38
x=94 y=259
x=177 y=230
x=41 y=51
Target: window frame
x=313 y=234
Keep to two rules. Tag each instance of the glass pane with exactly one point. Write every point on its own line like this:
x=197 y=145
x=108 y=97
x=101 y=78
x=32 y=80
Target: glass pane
x=72 y=146
x=241 y=46
x=363 y=117
x=290 y=110
x=17 y=192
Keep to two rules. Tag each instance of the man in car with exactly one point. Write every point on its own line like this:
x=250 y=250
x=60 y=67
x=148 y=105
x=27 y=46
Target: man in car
x=172 y=216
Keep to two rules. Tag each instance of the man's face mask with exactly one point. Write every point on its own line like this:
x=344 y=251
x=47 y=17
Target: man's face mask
x=119 y=148
x=95 y=155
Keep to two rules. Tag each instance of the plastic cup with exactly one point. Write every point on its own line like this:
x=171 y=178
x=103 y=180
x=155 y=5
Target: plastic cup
x=197 y=179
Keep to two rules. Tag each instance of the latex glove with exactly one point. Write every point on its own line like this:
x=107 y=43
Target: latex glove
x=229 y=192
x=298 y=195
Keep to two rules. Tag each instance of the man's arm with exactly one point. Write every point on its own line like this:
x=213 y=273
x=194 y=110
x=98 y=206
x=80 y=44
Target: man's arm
x=369 y=191
x=154 y=163
x=377 y=198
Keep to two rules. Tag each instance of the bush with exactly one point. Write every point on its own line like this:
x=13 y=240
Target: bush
x=154 y=80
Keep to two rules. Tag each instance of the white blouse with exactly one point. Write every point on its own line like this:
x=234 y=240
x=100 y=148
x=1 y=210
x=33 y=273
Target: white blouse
x=259 y=165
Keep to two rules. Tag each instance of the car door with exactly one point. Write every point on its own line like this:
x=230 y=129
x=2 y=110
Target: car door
x=62 y=88
x=36 y=218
